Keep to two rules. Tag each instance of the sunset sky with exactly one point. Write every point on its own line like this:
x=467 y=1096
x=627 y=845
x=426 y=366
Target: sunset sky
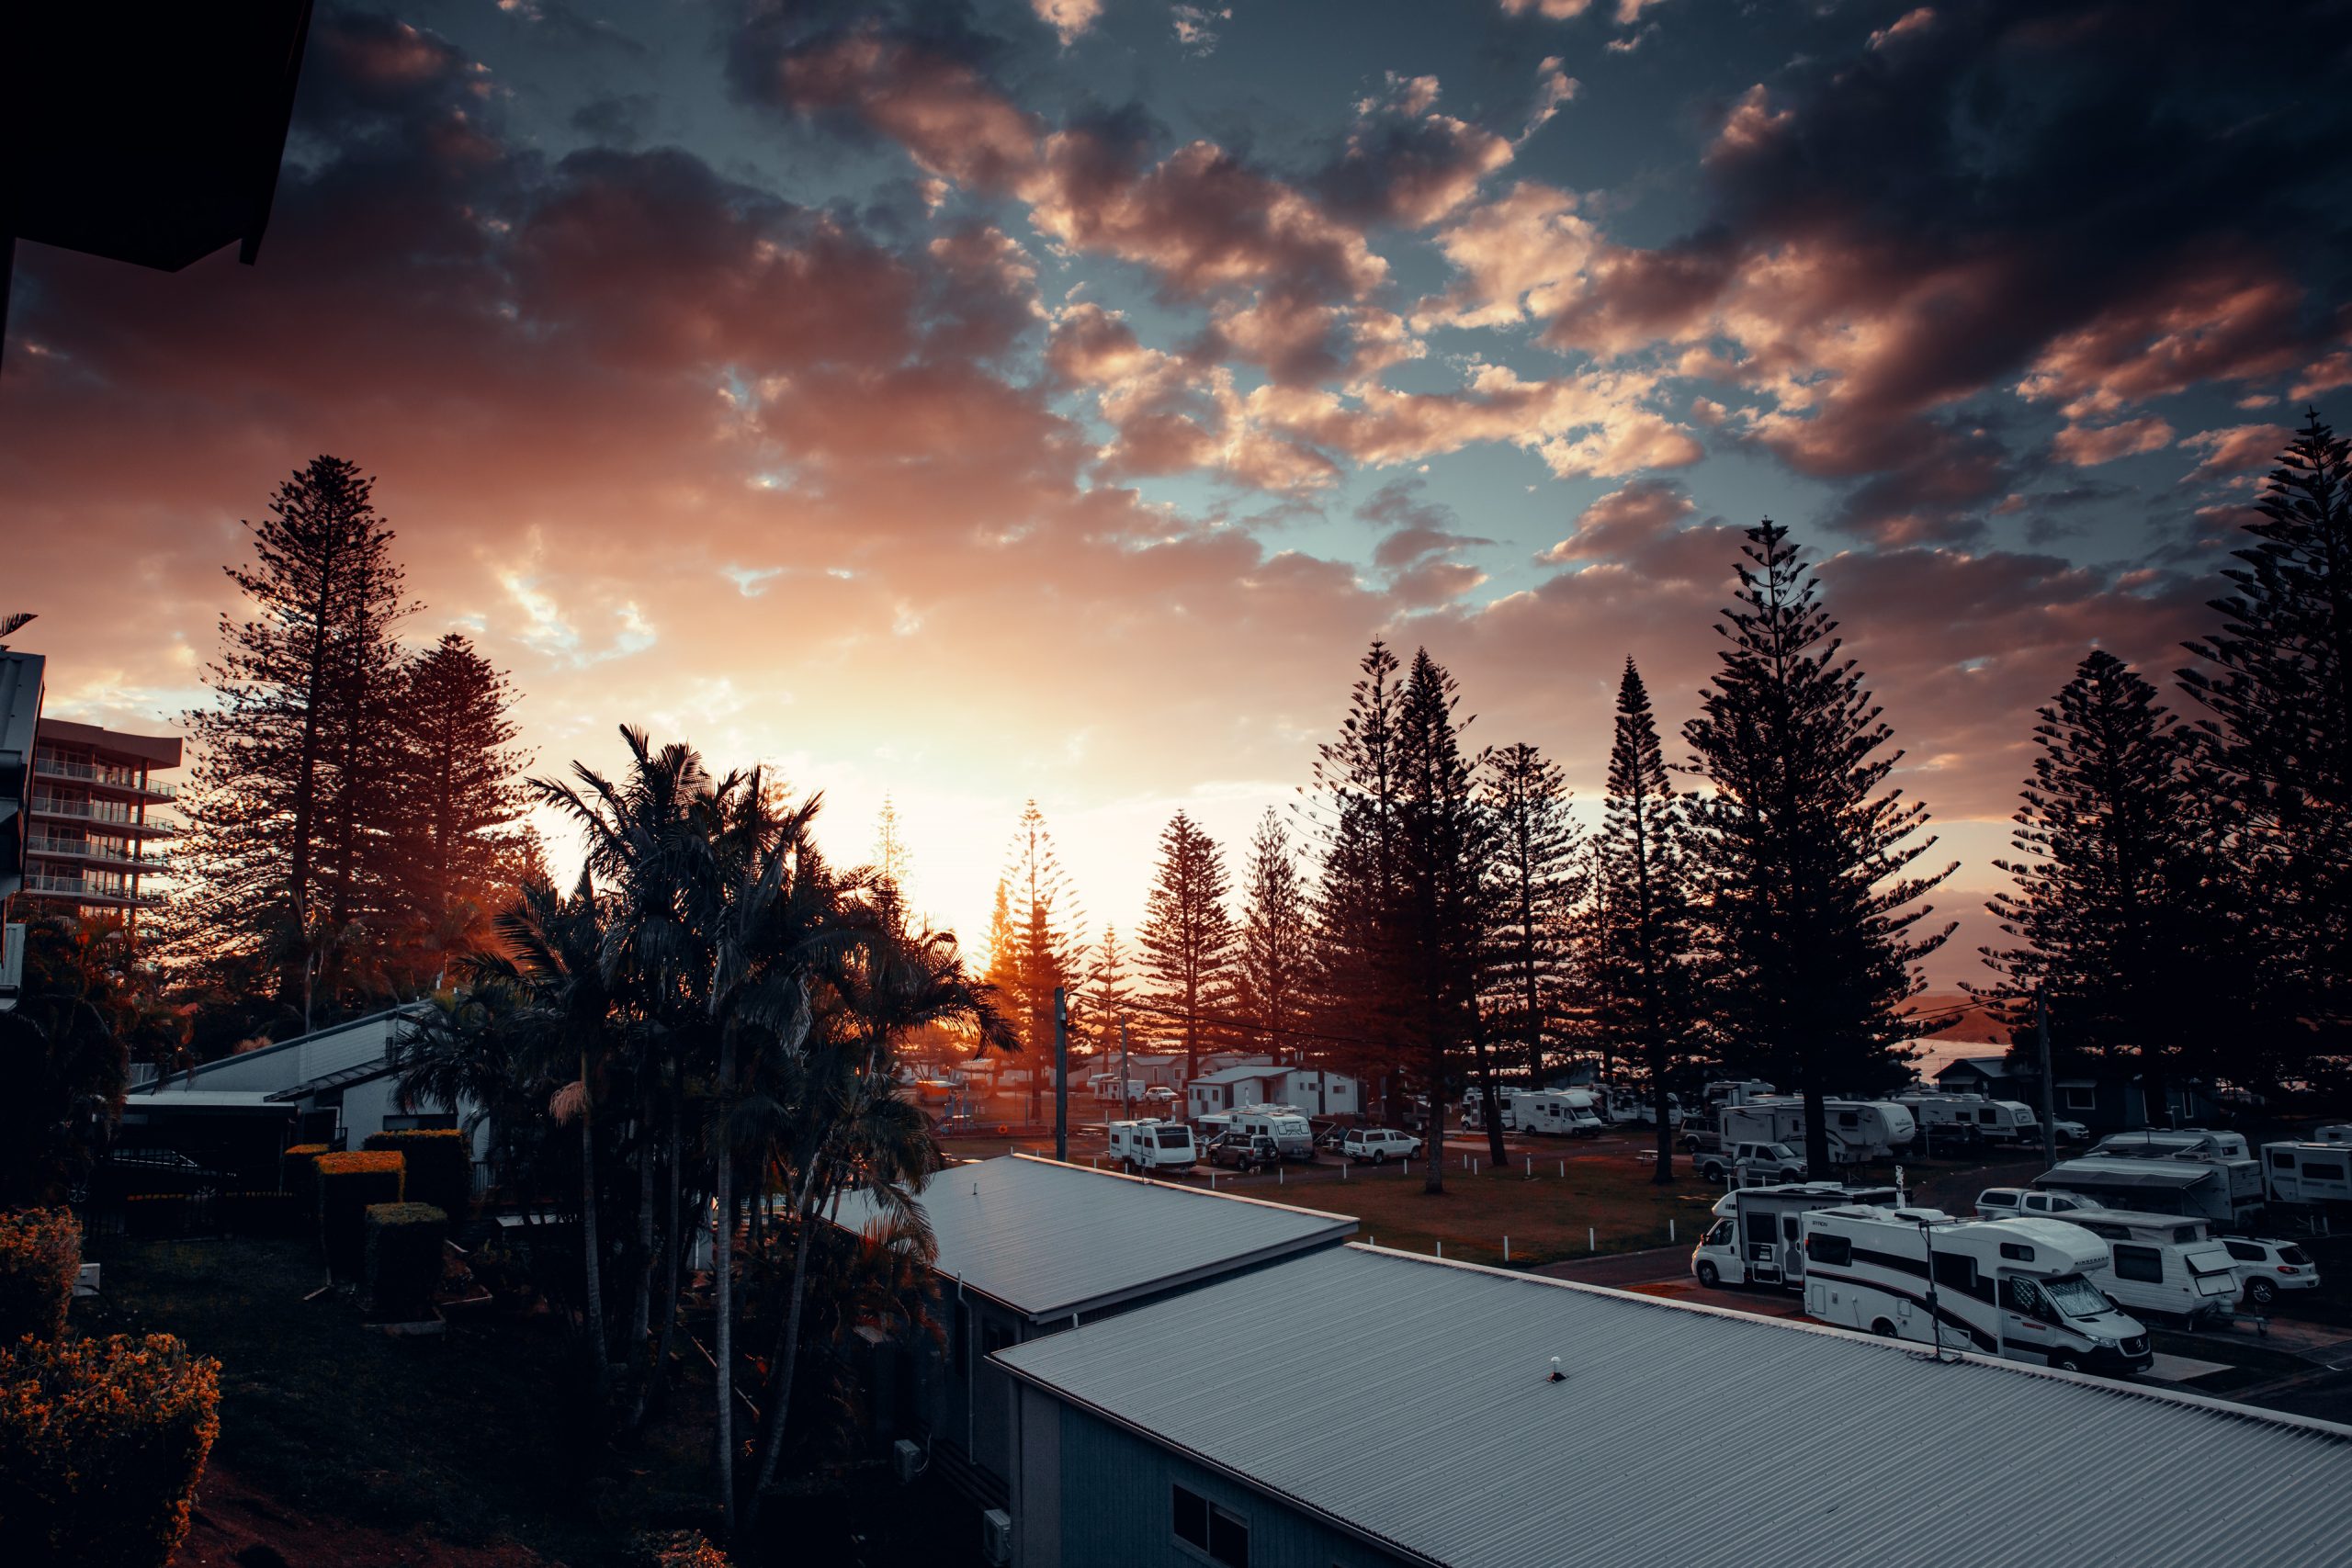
x=1052 y=397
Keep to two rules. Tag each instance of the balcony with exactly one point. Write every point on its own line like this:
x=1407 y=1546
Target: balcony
x=87 y=892
x=113 y=813
x=100 y=777
x=113 y=856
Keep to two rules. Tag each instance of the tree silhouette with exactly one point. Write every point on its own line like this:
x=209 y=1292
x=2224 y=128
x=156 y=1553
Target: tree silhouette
x=1274 y=950
x=1645 y=953
x=1802 y=858
x=2279 y=744
x=1533 y=896
x=1360 y=992
x=1043 y=910
x=1186 y=938
x=460 y=799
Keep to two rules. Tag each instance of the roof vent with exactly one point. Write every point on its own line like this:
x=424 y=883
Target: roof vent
x=1557 y=1375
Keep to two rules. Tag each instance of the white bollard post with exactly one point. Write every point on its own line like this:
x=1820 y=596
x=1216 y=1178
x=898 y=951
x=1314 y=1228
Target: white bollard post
x=1441 y=1249
x=1530 y=1167
x=1343 y=1168
x=1506 y=1249
x=1563 y=1170
x=1281 y=1176
x=1669 y=1231
x=1590 y=1245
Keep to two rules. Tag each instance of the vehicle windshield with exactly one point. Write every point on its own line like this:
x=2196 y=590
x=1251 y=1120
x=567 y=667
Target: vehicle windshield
x=1778 y=1151
x=2075 y=1296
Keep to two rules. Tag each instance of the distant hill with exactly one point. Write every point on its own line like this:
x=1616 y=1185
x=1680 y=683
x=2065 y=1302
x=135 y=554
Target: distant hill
x=1955 y=1015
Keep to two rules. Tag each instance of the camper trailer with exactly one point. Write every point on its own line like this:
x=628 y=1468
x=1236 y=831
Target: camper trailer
x=2193 y=1187
x=1754 y=1239
x=1874 y=1129
x=2307 y=1173
x=2161 y=1263
x=1944 y=1120
x=1732 y=1091
x=2006 y=1122
x=2224 y=1152
x=2016 y=1288
x=1289 y=1131
x=1780 y=1120
x=1153 y=1145
x=1561 y=1112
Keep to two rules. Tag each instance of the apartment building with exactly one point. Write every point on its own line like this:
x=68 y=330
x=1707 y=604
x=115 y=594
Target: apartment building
x=93 y=834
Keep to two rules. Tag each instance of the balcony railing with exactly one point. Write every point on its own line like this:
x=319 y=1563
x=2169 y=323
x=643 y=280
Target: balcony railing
x=112 y=778
x=79 y=888
x=108 y=811
x=91 y=850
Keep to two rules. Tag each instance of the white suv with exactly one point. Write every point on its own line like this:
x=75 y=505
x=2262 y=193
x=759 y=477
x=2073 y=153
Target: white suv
x=2265 y=1268
x=1379 y=1144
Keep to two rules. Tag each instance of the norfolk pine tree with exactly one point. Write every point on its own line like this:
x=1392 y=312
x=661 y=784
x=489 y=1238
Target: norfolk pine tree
x=2113 y=913
x=1186 y=938
x=1044 y=913
x=1358 y=904
x=1802 y=856
x=460 y=797
x=1274 y=952
x=1645 y=955
x=1533 y=895
x=2278 y=746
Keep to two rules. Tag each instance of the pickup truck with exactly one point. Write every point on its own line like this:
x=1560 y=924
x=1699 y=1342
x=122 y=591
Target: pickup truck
x=1244 y=1152
x=1754 y=1162
x=1378 y=1144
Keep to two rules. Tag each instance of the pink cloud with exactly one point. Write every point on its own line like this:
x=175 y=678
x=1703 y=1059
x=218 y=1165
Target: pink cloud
x=2239 y=449
x=2086 y=446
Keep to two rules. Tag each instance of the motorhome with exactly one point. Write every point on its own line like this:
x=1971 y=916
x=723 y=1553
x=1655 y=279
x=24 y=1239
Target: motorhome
x=1561 y=1112
x=1647 y=1113
x=1291 y=1131
x=2161 y=1263
x=2017 y=1288
x=1946 y=1119
x=1754 y=1239
x=1153 y=1145
x=1875 y=1129
x=1781 y=1120
x=1508 y=1101
x=2153 y=1186
x=2307 y=1173
x=1720 y=1092
x=1105 y=1087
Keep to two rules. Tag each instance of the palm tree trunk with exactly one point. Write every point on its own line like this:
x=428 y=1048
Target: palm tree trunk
x=788 y=1356
x=722 y=1262
x=674 y=1245
x=641 y=1315
x=590 y=1261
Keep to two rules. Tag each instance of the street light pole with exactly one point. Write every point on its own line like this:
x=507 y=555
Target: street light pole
x=1061 y=1074
x=2049 y=1125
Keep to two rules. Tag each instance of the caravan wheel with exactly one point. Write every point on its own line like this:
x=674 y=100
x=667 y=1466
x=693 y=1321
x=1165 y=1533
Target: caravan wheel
x=1884 y=1329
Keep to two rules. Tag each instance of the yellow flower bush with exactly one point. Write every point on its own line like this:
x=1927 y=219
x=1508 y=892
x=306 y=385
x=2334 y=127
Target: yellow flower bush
x=102 y=1442
x=41 y=1254
x=348 y=1184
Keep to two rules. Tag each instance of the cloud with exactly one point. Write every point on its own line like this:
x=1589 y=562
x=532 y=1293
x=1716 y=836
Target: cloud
x=2238 y=449
x=1069 y=19
x=1195 y=26
x=2088 y=447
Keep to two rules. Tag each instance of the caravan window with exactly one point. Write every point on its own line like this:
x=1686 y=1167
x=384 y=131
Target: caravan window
x=2318 y=1172
x=2016 y=1252
x=2144 y=1264
x=2282 y=1159
x=1835 y=1250
x=1956 y=1271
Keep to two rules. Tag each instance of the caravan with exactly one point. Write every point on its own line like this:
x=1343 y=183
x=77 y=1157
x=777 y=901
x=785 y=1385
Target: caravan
x=2307 y=1173
x=1754 y=1240
x=1872 y=1129
x=2161 y=1263
x=2016 y=1288
x=1290 y=1131
x=1153 y=1145
x=2197 y=1189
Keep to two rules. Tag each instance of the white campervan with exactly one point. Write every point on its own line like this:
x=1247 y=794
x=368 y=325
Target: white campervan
x=1292 y=1134
x=1754 y=1240
x=2016 y=1288
x=1569 y=1113
x=2161 y=1263
x=1153 y=1145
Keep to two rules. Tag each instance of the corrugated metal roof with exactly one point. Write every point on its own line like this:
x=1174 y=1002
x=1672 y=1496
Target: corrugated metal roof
x=1241 y=1075
x=2123 y=1172
x=1049 y=1239
x=1408 y=1399
x=288 y=1063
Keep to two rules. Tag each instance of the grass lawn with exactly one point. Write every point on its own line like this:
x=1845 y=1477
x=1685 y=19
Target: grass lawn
x=471 y=1437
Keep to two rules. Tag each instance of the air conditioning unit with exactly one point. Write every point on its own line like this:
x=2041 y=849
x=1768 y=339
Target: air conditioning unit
x=906 y=1460
x=996 y=1537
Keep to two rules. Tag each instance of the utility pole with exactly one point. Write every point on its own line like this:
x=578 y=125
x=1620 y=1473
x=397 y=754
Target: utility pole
x=1126 y=1106
x=1061 y=1074
x=2049 y=1127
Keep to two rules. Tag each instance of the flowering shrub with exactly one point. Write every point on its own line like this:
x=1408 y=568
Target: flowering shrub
x=404 y=1258
x=41 y=1254
x=680 y=1548
x=348 y=1183
x=102 y=1442
x=440 y=1165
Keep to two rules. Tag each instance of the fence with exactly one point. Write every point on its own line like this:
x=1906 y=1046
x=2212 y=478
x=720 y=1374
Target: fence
x=203 y=1214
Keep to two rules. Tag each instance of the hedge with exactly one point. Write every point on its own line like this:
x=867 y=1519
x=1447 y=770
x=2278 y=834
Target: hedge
x=299 y=1174
x=404 y=1258
x=348 y=1183
x=680 y=1548
x=102 y=1442
x=41 y=1256
x=440 y=1165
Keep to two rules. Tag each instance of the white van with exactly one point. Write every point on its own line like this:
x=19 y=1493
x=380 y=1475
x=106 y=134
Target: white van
x=1292 y=1134
x=1754 y=1240
x=2163 y=1263
x=1153 y=1145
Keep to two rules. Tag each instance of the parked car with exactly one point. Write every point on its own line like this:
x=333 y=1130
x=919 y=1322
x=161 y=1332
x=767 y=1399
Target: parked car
x=2038 y=1205
x=2070 y=1132
x=1245 y=1152
x=1755 y=1163
x=1158 y=1094
x=2264 y=1267
x=1378 y=1144
x=1999 y=1202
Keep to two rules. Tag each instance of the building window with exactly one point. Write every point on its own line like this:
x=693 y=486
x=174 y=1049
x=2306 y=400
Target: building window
x=2144 y=1264
x=2081 y=1098
x=1219 y=1534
